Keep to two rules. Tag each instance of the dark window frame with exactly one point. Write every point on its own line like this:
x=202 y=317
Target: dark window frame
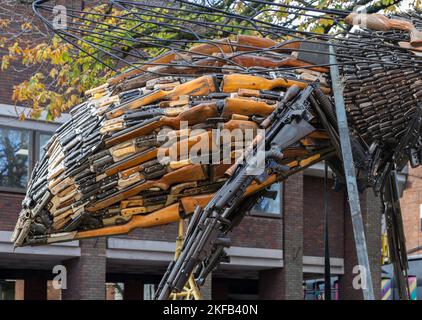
x=256 y=213
x=33 y=153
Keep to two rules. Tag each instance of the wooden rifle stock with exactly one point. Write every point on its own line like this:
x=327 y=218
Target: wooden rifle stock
x=169 y=57
x=96 y=90
x=190 y=203
x=189 y=173
x=246 y=107
x=217 y=171
x=134 y=160
x=218 y=46
x=171 y=213
x=294 y=152
x=134 y=163
x=119 y=122
x=234 y=82
x=194 y=115
x=252 y=43
x=240 y=124
x=380 y=22
x=200 y=86
x=141 y=80
x=132 y=202
x=242 y=43
x=249 y=61
x=229 y=125
x=163 y=216
x=129 y=212
x=206 y=49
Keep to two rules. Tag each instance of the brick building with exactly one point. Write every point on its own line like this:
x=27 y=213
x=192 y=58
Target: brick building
x=411 y=204
x=276 y=252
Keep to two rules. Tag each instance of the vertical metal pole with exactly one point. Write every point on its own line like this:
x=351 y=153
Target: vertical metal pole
x=327 y=262
x=350 y=175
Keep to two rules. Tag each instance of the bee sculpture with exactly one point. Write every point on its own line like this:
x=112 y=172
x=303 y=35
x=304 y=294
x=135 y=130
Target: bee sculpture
x=202 y=131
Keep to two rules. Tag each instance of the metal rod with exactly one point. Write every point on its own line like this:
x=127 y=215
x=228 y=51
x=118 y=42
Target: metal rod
x=327 y=263
x=351 y=183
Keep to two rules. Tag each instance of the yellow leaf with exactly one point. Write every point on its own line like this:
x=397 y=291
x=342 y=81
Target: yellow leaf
x=5 y=61
x=26 y=26
x=22 y=116
x=53 y=73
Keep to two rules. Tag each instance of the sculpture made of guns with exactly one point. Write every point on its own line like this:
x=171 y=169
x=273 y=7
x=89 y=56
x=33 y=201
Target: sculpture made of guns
x=132 y=154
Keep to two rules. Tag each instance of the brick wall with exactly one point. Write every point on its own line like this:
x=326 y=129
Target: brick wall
x=410 y=203
x=86 y=275
x=10 y=206
x=313 y=225
x=257 y=232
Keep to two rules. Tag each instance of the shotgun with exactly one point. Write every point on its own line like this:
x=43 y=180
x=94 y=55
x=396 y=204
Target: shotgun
x=127 y=120
x=380 y=22
x=204 y=49
x=131 y=146
x=194 y=115
x=212 y=64
x=174 y=149
x=134 y=161
x=125 y=215
x=209 y=65
x=249 y=61
x=163 y=216
x=188 y=173
x=200 y=86
x=234 y=82
x=246 y=107
x=241 y=43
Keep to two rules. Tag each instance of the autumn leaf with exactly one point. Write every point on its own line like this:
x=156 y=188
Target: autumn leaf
x=53 y=73
x=5 y=61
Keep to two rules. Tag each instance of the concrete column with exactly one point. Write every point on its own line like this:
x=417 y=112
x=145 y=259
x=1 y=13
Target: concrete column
x=371 y=212
x=35 y=288
x=133 y=290
x=291 y=276
x=86 y=275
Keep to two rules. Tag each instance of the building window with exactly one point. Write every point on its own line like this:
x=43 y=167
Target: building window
x=19 y=151
x=14 y=158
x=7 y=290
x=268 y=206
x=43 y=139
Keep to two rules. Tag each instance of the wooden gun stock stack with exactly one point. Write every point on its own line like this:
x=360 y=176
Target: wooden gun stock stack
x=103 y=172
x=156 y=143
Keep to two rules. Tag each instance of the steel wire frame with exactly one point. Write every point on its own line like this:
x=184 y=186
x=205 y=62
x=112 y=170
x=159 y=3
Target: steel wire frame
x=83 y=30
